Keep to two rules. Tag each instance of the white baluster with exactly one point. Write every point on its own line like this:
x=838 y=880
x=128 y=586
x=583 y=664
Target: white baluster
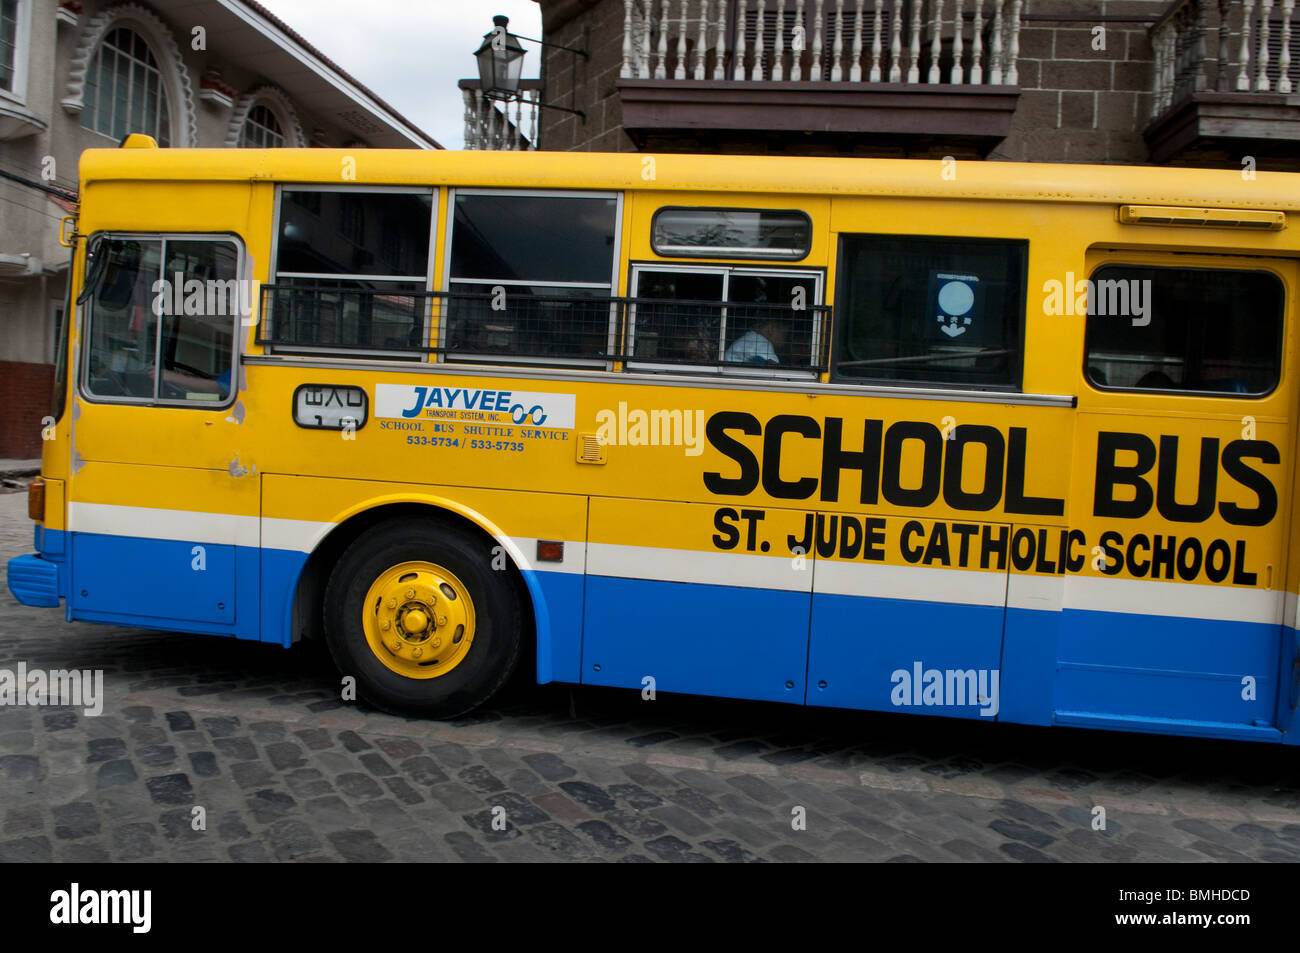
x=855 y=67
x=519 y=124
x=1158 y=51
x=643 y=52
x=1013 y=47
x=914 y=46
x=1243 y=77
x=738 y=68
x=1261 y=74
x=896 y=43
x=977 y=46
x=936 y=41
x=778 y=52
x=837 y=47
x=995 y=54
x=874 y=75
x=796 y=57
x=720 y=30
x=760 y=44
x=1284 y=59
x=1225 y=31
x=533 y=99
x=626 y=71
x=661 y=60
x=467 y=96
x=957 y=76
x=702 y=43
x=816 y=72
x=1175 y=42
x=679 y=71
x=480 y=124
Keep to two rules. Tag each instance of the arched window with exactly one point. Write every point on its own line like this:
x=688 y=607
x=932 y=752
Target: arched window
x=125 y=92
x=261 y=130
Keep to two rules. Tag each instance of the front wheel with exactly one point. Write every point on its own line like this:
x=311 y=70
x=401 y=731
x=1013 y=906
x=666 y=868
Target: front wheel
x=418 y=613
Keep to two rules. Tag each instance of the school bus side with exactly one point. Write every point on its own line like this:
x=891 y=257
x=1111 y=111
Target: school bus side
x=830 y=541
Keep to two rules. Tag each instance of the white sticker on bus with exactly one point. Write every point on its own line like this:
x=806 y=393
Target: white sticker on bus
x=524 y=408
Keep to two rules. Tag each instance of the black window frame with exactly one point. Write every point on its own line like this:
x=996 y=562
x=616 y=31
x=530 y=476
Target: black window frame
x=839 y=330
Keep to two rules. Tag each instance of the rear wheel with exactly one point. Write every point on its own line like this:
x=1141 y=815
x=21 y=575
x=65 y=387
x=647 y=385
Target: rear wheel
x=416 y=612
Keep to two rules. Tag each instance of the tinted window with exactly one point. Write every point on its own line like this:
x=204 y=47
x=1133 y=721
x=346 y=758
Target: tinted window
x=930 y=310
x=533 y=238
x=531 y=276
x=1184 y=329
x=731 y=233
x=354 y=233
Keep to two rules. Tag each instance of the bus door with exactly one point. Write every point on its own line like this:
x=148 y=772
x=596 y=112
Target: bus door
x=162 y=509
x=1183 y=459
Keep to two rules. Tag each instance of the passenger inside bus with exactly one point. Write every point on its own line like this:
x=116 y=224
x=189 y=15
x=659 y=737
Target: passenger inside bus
x=760 y=345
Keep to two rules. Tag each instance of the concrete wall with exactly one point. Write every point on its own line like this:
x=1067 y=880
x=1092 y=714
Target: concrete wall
x=29 y=219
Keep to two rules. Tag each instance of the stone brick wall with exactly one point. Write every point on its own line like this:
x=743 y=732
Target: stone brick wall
x=585 y=84
x=1079 y=103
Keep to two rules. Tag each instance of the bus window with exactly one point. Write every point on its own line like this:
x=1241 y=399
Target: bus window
x=731 y=233
x=198 y=301
x=122 y=325
x=351 y=269
x=1196 y=330
x=931 y=310
x=530 y=275
x=675 y=318
x=731 y=317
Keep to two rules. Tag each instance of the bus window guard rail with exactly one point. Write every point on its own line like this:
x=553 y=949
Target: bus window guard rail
x=506 y=323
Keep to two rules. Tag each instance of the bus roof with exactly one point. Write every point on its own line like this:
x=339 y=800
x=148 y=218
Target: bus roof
x=922 y=178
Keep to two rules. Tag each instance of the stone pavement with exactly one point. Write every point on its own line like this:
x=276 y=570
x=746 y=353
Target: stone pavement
x=284 y=770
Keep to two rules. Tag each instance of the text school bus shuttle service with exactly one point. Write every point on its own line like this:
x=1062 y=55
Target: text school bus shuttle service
x=1012 y=443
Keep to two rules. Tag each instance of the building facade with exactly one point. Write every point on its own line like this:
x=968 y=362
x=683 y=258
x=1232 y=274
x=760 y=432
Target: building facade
x=190 y=73
x=1183 y=82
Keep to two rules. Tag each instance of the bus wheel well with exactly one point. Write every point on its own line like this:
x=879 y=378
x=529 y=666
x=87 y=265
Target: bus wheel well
x=309 y=596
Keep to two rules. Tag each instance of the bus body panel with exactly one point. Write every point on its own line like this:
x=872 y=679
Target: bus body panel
x=768 y=559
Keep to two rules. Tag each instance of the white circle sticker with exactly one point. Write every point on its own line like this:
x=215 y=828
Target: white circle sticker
x=956 y=298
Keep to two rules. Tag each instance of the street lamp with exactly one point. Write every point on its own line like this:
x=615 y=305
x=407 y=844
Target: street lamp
x=501 y=64
x=500 y=60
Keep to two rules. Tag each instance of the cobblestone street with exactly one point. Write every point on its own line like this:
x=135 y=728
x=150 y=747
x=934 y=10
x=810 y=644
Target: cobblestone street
x=285 y=770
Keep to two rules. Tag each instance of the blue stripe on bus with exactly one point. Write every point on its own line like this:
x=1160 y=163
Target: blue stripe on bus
x=1150 y=666
x=557 y=604
x=860 y=642
x=695 y=638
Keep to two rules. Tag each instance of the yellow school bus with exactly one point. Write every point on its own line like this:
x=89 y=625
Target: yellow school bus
x=985 y=440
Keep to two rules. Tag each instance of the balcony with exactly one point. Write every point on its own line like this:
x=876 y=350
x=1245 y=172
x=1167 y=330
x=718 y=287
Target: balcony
x=891 y=77
x=488 y=122
x=1223 y=83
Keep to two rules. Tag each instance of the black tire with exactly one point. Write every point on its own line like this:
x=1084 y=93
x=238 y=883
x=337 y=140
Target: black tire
x=493 y=652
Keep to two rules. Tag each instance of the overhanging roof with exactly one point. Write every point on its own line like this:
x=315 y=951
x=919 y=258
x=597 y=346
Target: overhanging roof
x=245 y=33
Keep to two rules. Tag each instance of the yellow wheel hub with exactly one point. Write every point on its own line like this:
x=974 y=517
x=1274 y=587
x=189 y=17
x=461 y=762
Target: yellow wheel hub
x=418 y=619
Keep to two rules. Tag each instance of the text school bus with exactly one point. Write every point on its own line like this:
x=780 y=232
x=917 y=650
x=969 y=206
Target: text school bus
x=988 y=440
